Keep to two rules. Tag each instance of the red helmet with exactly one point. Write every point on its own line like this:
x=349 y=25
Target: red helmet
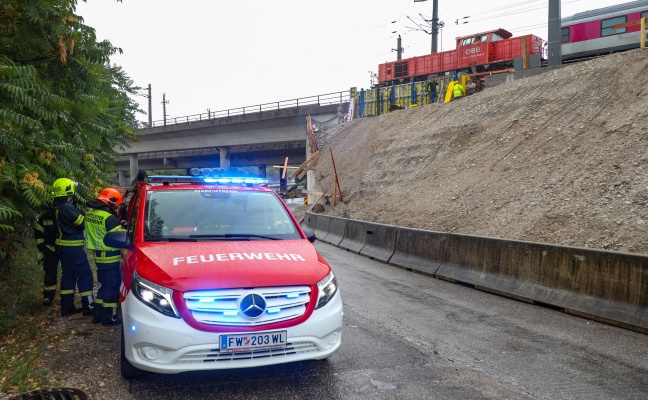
x=111 y=197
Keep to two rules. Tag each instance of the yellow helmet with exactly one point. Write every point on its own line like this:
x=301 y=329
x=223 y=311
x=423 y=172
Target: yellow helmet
x=63 y=187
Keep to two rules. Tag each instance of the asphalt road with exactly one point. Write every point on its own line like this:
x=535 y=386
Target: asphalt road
x=410 y=336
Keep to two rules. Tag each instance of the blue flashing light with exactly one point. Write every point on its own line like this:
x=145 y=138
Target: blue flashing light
x=230 y=313
x=206 y=300
x=273 y=310
x=292 y=295
x=132 y=328
x=207 y=178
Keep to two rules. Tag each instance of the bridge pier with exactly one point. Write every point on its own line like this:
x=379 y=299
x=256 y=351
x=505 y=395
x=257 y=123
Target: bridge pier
x=134 y=165
x=121 y=179
x=224 y=158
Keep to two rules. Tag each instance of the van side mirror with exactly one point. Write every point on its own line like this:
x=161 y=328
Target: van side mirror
x=310 y=235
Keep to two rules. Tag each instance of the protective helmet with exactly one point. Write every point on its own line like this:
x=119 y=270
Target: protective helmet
x=111 y=197
x=63 y=187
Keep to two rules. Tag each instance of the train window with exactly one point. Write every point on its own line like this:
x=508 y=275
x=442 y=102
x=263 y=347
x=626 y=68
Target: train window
x=495 y=37
x=473 y=40
x=401 y=70
x=644 y=14
x=607 y=24
x=565 y=35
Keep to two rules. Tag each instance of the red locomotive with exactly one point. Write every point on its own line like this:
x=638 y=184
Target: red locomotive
x=478 y=53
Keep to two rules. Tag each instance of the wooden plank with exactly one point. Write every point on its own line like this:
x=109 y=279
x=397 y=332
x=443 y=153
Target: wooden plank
x=337 y=182
x=308 y=168
x=314 y=193
x=304 y=164
x=311 y=134
x=285 y=168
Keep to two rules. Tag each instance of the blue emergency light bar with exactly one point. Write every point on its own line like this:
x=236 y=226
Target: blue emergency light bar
x=206 y=179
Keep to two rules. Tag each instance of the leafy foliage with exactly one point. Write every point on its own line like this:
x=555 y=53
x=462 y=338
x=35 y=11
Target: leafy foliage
x=63 y=107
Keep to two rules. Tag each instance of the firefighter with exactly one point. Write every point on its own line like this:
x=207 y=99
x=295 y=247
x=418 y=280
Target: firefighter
x=45 y=235
x=75 y=267
x=99 y=221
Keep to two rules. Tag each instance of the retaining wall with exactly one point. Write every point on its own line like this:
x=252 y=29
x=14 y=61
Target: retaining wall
x=605 y=286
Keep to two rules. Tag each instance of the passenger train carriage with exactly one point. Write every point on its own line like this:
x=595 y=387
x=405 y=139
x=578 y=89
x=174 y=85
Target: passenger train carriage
x=593 y=32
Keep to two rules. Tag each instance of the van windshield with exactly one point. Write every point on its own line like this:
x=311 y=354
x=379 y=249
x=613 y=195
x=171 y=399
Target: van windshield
x=216 y=214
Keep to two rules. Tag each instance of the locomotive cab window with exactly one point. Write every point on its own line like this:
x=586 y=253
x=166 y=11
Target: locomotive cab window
x=401 y=70
x=495 y=37
x=644 y=14
x=565 y=35
x=473 y=40
x=606 y=26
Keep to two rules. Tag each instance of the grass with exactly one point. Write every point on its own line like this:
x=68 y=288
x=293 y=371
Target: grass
x=24 y=321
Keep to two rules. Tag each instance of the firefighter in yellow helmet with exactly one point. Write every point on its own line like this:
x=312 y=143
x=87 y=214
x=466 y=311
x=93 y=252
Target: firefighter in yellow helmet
x=99 y=222
x=75 y=267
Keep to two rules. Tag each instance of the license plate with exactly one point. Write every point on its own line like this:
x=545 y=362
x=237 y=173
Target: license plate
x=253 y=341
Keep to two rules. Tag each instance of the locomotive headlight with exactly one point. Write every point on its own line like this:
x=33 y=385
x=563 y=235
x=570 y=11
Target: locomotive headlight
x=155 y=296
x=326 y=288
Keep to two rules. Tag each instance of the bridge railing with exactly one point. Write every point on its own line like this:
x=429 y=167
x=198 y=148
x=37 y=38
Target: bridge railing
x=319 y=100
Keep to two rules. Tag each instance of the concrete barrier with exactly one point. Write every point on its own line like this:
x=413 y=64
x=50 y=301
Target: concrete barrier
x=498 y=266
x=355 y=233
x=605 y=286
x=310 y=220
x=336 y=231
x=379 y=241
x=322 y=226
x=419 y=250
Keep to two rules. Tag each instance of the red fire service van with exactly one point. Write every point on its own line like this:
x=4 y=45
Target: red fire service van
x=218 y=274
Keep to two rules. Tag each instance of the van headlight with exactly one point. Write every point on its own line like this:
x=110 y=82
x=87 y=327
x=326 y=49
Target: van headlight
x=155 y=296
x=326 y=288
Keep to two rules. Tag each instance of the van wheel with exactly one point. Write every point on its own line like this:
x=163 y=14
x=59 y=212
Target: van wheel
x=127 y=370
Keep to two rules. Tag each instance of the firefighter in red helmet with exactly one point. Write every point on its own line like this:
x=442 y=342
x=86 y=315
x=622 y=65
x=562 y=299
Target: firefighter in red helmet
x=99 y=222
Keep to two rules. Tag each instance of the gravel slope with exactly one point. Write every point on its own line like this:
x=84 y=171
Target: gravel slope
x=558 y=158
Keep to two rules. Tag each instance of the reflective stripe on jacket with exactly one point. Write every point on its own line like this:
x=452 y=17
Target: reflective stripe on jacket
x=70 y=225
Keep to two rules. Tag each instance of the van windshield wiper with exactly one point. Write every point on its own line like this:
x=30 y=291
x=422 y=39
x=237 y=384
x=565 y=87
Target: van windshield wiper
x=237 y=236
x=180 y=239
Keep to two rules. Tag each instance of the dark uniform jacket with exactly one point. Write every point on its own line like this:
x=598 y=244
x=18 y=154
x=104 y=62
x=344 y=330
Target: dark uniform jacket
x=46 y=231
x=70 y=224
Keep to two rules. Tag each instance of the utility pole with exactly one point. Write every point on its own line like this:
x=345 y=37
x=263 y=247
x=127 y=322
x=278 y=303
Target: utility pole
x=435 y=24
x=555 y=34
x=399 y=49
x=164 y=103
x=150 y=106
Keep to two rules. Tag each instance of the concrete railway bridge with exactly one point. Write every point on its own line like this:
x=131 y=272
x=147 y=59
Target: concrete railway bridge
x=257 y=136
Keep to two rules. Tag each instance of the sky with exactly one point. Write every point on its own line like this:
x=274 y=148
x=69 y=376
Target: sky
x=217 y=54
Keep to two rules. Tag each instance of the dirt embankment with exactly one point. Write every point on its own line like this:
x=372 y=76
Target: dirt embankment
x=559 y=158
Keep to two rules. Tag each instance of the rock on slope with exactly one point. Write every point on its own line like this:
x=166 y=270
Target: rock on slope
x=558 y=158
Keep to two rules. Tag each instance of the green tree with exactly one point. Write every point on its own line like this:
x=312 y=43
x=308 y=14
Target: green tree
x=63 y=107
